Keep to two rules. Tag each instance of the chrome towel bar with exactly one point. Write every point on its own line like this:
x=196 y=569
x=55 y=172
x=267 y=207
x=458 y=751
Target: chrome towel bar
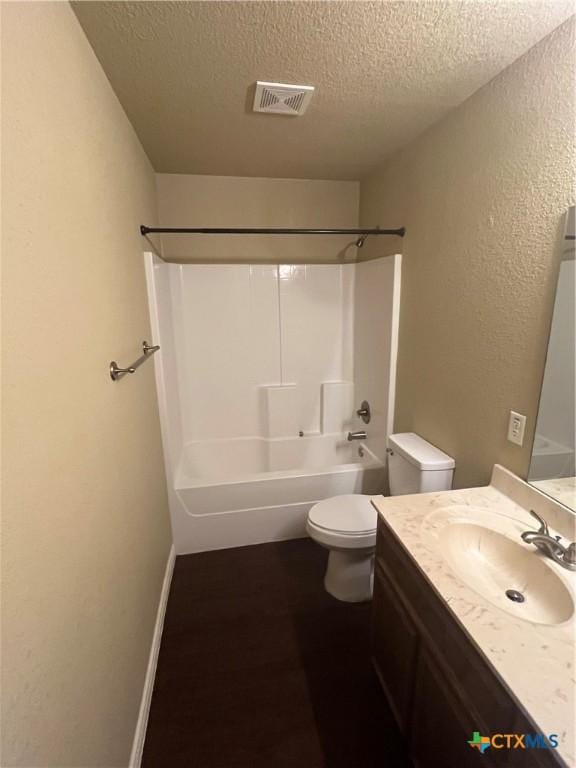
x=117 y=373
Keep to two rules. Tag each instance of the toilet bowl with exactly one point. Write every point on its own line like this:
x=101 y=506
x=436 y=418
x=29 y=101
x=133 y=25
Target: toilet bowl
x=346 y=525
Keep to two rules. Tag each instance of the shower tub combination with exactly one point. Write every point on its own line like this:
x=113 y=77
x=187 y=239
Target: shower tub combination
x=550 y=459
x=257 y=393
x=250 y=490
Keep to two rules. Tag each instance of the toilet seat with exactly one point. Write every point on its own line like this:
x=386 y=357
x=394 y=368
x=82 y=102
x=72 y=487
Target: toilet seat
x=346 y=522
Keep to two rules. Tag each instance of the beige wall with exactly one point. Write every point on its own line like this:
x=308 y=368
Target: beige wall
x=85 y=525
x=482 y=194
x=229 y=201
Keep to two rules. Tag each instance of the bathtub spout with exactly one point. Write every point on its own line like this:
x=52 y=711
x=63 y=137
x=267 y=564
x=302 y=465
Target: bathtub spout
x=357 y=435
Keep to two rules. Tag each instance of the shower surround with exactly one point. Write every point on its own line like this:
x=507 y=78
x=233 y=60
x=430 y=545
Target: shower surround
x=260 y=372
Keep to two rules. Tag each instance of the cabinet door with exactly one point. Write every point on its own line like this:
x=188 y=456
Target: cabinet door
x=394 y=647
x=531 y=758
x=442 y=724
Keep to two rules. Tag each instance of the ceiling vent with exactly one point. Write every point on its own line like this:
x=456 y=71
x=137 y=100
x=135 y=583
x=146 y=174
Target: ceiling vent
x=282 y=99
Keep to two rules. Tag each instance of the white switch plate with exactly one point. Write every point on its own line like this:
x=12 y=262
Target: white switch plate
x=516 y=427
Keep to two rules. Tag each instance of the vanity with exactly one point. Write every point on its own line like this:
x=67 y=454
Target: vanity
x=473 y=628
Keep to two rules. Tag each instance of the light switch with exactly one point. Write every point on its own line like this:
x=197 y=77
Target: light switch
x=516 y=427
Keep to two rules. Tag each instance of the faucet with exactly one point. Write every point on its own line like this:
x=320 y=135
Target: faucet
x=357 y=435
x=551 y=546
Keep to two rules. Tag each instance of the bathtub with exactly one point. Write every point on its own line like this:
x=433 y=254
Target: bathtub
x=229 y=493
x=550 y=459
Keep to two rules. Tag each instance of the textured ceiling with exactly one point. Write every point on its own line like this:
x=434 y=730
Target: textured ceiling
x=383 y=72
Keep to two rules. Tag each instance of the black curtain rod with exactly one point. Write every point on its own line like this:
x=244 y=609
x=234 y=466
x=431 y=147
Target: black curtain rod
x=400 y=232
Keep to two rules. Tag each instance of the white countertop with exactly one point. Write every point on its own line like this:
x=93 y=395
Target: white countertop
x=563 y=489
x=536 y=661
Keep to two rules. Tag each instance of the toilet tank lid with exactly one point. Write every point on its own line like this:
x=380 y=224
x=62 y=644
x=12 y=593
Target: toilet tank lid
x=420 y=452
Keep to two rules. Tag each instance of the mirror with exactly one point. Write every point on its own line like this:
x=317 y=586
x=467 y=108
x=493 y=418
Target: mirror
x=552 y=467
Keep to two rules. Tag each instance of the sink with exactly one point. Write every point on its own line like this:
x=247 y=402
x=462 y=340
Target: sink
x=512 y=576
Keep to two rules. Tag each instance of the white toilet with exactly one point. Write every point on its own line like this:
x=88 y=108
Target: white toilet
x=346 y=525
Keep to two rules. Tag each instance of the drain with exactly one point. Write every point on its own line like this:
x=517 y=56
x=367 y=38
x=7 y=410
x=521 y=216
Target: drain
x=515 y=596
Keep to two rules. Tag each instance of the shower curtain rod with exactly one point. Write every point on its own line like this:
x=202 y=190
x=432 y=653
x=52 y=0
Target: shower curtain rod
x=400 y=232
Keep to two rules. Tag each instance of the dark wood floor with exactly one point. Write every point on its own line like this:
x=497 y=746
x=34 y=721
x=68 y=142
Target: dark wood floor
x=260 y=668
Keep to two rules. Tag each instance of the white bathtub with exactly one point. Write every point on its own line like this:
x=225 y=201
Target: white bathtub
x=550 y=459
x=250 y=490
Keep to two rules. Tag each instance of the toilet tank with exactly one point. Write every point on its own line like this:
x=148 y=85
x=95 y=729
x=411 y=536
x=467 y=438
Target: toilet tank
x=417 y=466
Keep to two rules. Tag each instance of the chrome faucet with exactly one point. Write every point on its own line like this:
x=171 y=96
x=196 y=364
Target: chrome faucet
x=550 y=545
x=357 y=435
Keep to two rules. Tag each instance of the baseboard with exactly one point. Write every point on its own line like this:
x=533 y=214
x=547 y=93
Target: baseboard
x=140 y=733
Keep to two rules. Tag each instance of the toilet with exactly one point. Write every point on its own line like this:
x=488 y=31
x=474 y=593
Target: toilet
x=346 y=525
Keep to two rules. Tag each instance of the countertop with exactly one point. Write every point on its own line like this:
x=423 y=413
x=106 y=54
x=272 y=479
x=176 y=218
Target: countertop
x=535 y=661
x=563 y=489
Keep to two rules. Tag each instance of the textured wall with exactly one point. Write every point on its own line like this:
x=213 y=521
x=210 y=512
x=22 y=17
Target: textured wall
x=85 y=525
x=233 y=201
x=482 y=195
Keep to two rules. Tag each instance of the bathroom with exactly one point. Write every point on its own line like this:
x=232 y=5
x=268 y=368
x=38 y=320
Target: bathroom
x=288 y=384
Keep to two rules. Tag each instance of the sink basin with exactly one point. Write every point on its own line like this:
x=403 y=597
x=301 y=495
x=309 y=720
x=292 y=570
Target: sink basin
x=513 y=577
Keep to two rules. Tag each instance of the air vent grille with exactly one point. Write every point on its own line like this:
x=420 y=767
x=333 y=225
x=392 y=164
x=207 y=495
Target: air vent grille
x=282 y=99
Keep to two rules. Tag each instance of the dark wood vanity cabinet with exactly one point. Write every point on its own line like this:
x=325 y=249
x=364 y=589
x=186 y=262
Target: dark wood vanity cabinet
x=395 y=647
x=439 y=685
x=440 y=723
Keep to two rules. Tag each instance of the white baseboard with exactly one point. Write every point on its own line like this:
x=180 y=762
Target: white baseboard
x=140 y=733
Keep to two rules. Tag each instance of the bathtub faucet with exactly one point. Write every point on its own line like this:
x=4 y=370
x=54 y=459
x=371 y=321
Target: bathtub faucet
x=357 y=435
